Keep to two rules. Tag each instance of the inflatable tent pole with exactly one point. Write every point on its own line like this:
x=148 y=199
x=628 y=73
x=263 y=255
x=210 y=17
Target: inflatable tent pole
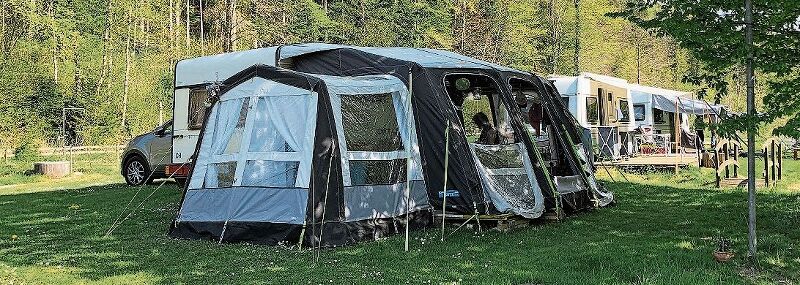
x=446 y=161
x=408 y=148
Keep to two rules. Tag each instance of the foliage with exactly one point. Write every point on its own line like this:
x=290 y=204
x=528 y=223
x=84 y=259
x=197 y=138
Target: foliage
x=713 y=32
x=27 y=151
x=115 y=58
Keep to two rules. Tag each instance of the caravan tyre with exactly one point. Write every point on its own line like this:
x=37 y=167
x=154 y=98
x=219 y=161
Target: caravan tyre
x=136 y=171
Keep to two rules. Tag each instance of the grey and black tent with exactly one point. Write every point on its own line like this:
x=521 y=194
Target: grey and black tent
x=312 y=159
x=482 y=177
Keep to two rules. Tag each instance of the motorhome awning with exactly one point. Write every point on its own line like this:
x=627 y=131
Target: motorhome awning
x=671 y=100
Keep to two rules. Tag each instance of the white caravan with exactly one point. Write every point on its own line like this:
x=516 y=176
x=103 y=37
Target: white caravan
x=602 y=104
x=193 y=77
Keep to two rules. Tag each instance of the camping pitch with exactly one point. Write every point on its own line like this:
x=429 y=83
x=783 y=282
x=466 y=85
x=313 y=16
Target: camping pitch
x=461 y=140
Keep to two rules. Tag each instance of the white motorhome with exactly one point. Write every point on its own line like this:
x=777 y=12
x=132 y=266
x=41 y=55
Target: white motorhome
x=193 y=77
x=602 y=104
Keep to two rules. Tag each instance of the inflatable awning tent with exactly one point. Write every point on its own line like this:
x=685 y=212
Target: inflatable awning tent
x=507 y=176
x=291 y=157
x=481 y=178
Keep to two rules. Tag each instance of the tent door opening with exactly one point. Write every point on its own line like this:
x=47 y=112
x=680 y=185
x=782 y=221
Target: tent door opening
x=502 y=159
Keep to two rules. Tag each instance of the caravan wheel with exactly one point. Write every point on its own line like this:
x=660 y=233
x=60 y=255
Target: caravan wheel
x=136 y=171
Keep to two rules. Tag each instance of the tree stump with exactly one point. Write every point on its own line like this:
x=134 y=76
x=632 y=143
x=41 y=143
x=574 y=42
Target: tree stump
x=52 y=169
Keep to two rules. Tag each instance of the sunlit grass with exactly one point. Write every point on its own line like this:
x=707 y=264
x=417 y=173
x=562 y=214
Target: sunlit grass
x=661 y=231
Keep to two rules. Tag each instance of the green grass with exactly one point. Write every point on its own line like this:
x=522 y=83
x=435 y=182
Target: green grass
x=660 y=232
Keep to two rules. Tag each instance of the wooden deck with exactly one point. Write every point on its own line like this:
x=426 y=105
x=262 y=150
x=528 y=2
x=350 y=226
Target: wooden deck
x=658 y=161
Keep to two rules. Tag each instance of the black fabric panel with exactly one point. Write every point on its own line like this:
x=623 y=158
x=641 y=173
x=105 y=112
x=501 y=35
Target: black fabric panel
x=334 y=233
x=432 y=109
x=253 y=232
x=346 y=233
x=326 y=193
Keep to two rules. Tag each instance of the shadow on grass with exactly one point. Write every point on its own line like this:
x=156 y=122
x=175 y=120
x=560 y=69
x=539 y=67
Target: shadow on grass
x=658 y=235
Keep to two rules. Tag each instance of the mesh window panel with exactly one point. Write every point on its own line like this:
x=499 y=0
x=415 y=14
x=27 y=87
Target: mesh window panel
x=374 y=172
x=220 y=175
x=501 y=158
x=266 y=173
x=370 y=123
x=197 y=107
x=507 y=175
x=626 y=113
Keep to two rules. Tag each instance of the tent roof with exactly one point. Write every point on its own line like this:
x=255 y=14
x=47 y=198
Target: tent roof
x=207 y=69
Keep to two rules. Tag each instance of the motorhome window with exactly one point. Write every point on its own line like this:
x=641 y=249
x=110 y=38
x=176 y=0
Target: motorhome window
x=658 y=116
x=623 y=108
x=484 y=116
x=638 y=112
x=592 y=110
x=370 y=123
x=197 y=107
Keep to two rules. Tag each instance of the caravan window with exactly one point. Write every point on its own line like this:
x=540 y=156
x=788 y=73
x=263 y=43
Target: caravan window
x=592 y=110
x=638 y=112
x=197 y=107
x=658 y=116
x=624 y=110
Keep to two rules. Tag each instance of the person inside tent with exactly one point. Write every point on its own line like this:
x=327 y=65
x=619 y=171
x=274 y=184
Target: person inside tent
x=489 y=135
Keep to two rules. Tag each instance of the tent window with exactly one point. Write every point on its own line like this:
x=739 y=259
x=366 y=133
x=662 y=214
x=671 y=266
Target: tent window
x=638 y=112
x=565 y=100
x=197 y=107
x=232 y=136
x=499 y=159
x=266 y=173
x=220 y=174
x=623 y=108
x=267 y=134
x=370 y=123
x=592 y=110
x=374 y=172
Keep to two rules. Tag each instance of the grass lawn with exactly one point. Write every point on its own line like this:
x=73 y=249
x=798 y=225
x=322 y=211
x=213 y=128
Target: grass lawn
x=661 y=232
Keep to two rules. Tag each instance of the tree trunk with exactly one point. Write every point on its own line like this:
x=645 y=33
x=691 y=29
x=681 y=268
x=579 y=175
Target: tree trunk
x=127 y=71
x=576 y=62
x=751 y=135
x=187 y=25
x=202 y=31
x=106 y=47
x=231 y=31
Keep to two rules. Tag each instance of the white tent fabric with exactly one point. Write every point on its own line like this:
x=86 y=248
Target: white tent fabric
x=280 y=130
x=196 y=71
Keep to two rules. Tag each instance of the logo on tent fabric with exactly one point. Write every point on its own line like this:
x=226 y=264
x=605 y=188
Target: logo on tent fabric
x=450 y=193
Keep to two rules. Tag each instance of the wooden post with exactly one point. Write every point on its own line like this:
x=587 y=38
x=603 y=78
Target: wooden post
x=780 y=161
x=726 y=153
x=772 y=160
x=736 y=157
x=766 y=167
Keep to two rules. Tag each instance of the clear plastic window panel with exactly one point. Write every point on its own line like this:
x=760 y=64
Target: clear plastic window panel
x=219 y=175
x=370 y=123
x=472 y=106
x=376 y=172
x=267 y=173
